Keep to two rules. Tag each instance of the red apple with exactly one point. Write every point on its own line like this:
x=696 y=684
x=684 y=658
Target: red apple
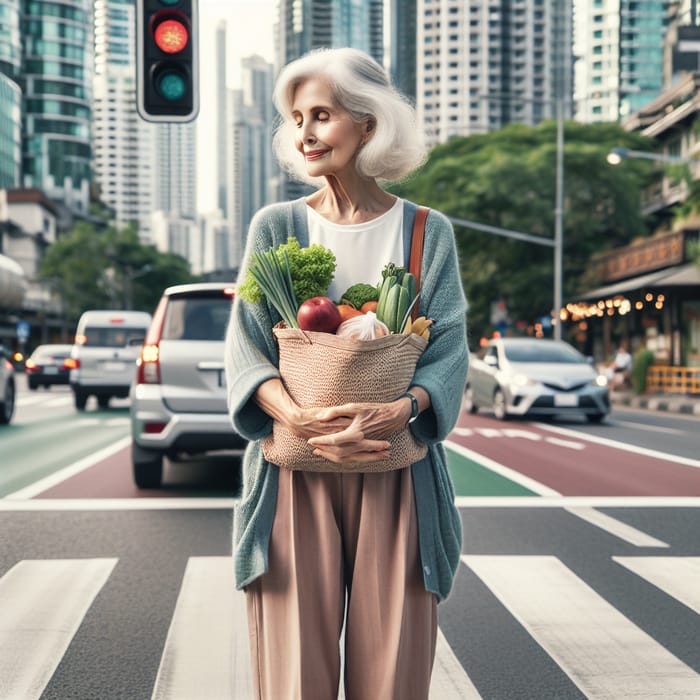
x=318 y=314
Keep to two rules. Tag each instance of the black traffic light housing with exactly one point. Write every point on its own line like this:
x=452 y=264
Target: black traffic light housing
x=167 y=85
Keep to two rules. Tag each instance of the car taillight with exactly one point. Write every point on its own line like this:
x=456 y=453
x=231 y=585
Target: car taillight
x=72 y=363
x=148 y=364
x=30 y=366
x=8 y=365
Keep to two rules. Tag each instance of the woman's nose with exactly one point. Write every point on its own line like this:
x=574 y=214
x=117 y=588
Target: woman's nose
x=307 y=136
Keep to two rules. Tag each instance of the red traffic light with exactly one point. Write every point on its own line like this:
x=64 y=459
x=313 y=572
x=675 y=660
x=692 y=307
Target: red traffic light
x=171 y=36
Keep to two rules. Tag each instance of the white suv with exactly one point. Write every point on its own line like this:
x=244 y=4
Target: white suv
x=178 y=401
x=104 y=354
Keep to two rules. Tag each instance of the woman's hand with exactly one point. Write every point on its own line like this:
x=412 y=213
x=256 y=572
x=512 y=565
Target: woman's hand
x=363 y=440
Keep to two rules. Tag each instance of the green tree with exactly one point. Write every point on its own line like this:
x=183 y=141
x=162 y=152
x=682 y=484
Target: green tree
x=506 y=178
x=111 y=268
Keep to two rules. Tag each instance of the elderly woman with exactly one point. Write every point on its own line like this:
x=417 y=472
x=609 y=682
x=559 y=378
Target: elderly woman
x=373 y=551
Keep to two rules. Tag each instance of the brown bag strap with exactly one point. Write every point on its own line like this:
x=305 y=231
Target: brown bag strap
x=416 y=259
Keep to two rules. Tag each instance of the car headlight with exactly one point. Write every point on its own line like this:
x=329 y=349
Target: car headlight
x=520 y=380
x=600 y=380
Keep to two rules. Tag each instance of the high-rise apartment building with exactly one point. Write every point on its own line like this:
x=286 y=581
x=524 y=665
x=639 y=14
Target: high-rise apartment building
x=222 y=136
x=123 y=143
x=311 y=24
x=56 y=80
x=174 y=170
x=620 y=48
x=252 y=173
x=482 y=65
x=402 y=46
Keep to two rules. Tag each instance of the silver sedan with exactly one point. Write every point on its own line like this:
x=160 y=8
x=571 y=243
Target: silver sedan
x=535 y=377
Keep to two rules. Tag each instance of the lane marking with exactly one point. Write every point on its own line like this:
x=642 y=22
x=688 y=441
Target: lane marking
x=679 y=577
x=206 y=652
x=603 y=653
x=575 y=502
x=645 y=428
x=67 y=472
x=224 y=503
x=616 y=527
x=565 y=443
x=90 y=504
x=449 y=680
x=43 y=604
x=621 y=446
x=502 y=470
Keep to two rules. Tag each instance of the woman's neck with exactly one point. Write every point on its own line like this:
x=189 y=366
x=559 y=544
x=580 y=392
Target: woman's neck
x=350 y=202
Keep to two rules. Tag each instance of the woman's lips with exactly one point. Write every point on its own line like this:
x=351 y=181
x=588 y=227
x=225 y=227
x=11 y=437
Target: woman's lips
x=313 y=155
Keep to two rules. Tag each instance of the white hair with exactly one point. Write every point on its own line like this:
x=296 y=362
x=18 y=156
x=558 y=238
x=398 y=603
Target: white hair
x=361 y=88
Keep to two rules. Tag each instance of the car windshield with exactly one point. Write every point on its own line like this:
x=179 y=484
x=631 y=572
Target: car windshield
x=197 y=318
x=107 y=337
x=542 y=352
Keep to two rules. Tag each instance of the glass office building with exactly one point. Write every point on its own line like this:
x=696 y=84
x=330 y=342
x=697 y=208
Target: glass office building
x=56 y=79
x=10 y=95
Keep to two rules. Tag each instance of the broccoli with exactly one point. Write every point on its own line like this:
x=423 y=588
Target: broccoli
x=311 y=269
x=360 y=293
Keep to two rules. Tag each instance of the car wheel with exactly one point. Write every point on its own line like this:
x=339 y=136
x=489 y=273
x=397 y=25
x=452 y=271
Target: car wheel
x=103 y=401
x=7 y=405
x=148 y=467
x=595 y=417
x=499 y=405
x=468 y=404
x=80 y=400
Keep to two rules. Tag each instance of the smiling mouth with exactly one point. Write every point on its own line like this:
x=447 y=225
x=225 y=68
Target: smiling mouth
x=313 y=155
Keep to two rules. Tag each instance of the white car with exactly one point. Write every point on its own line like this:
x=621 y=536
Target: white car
x=535 y=377
x=7 y=386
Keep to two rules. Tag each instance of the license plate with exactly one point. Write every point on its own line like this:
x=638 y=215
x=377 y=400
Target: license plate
x=113 y=366
x=565 y=399
x=50 y=370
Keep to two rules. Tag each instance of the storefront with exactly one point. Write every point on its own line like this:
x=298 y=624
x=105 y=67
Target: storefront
x=651 y=300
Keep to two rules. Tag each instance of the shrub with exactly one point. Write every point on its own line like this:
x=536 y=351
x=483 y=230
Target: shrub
x=641 y=361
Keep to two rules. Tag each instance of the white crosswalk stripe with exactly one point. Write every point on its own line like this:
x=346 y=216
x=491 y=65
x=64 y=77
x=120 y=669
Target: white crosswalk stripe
x=602 y=652
x=42 y=605
x=206 y=656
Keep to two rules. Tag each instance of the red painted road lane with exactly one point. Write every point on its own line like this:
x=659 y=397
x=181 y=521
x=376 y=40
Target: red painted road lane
x=592 y=470
x=112 y=478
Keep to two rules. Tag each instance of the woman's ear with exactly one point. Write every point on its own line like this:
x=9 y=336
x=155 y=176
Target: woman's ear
x=369 y=130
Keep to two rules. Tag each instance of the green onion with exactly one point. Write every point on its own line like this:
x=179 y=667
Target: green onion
x=275 y=281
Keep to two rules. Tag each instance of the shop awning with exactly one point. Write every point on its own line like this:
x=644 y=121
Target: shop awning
x=677 y=276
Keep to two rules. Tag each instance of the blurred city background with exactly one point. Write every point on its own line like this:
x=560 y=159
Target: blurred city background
x=521 y=101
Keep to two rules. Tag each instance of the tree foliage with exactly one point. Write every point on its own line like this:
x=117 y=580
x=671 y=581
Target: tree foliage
x=507 y=178
x=109 y=269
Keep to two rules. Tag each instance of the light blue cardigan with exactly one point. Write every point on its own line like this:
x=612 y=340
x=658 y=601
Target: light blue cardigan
x=251 y=358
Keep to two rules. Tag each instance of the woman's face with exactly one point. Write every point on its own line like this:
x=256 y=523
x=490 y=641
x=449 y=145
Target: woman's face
x=327 y=136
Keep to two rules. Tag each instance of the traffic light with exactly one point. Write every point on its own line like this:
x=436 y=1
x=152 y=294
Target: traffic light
x=166 y=60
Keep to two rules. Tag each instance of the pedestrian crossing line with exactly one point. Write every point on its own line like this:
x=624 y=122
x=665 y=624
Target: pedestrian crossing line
x=206 y=653
x=679 y=577
x=43 y=603
x=603 y=653
x=616 y=527
x=449 y=680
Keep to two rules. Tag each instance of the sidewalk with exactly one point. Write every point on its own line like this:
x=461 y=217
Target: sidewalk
x=674 y=403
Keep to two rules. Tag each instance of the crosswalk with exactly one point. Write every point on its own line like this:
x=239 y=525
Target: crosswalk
x=205 y=655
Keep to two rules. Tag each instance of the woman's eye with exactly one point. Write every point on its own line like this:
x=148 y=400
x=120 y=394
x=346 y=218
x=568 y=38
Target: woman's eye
x=323 y=116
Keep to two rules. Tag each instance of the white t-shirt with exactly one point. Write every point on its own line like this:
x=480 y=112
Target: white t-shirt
x=361 y=250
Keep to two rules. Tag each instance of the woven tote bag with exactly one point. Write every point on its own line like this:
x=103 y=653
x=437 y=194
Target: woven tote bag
x=322 y=369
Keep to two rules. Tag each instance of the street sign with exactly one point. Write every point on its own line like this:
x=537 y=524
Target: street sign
x=22 y=331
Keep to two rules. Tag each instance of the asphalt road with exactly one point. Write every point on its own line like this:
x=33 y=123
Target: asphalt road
x=578 y=579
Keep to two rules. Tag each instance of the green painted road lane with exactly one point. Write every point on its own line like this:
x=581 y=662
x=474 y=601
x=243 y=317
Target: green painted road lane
x=32 y=451
x=473 y=479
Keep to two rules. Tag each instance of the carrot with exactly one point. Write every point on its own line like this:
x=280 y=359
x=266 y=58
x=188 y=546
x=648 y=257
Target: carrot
x=369 y=306
x=347 y=311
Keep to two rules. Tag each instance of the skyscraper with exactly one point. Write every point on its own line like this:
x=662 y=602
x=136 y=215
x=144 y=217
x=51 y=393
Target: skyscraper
x=123 y=143
x=403 y=23
x=483 y=65
x=56 y=80
x=621 y=52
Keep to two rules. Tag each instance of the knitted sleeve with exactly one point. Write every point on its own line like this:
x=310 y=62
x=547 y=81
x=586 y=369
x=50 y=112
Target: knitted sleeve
x=251 y=352
x=442 y=368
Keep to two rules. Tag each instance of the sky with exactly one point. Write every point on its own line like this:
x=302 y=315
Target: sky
x=250 y=25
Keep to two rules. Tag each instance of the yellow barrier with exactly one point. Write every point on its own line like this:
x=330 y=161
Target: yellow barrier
x=673 y=380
